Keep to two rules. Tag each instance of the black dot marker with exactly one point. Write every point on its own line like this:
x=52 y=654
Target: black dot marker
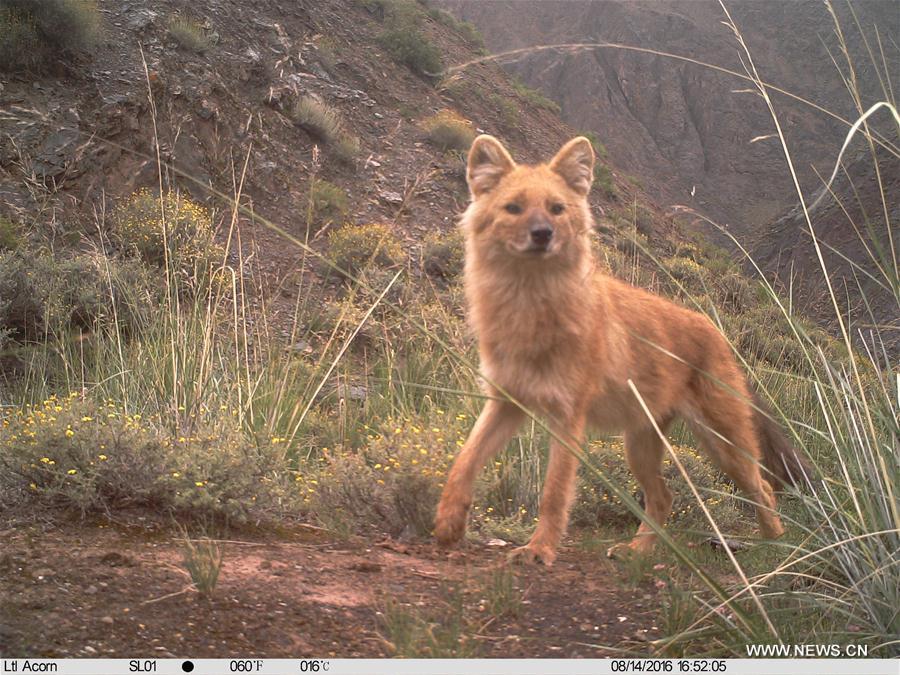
x=187 y=666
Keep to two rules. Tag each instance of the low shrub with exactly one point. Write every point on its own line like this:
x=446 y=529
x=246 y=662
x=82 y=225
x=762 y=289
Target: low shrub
x=448 y=130
x=466 y=29
x=603 y=179
x=686 y=272
x=534 y=97
x=443 y=255
x=409 y=47
x=392 y=485
x=346 y=148
x=45 y=293
x=190 y=34
x=325 y=123
x=22 y=314
x=354 y=247
x=318 y=118
x=599 y=149
x=34 y=33
x=73 y=455
x=595 y=504
x=169 y=230
x=329 y=202
x=10 y=237
x=734 y=292
x=509 y=112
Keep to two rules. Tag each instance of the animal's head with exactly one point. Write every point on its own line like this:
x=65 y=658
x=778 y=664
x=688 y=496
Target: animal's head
x=535 y=213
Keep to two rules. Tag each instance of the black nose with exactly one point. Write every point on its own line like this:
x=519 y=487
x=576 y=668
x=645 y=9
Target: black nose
x=541 y=235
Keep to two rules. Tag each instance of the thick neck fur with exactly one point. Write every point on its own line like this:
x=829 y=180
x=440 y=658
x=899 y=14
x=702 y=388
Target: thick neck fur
x=530 y=308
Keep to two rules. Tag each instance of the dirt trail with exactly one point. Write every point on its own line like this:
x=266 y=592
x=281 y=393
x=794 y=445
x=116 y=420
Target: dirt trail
x=80 y=590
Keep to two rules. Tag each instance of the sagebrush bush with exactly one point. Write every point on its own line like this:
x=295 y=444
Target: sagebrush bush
x=33 y=33
x=595 y=504
x=448 y=130
x=10 y=237
x=443 y=255
x=47 y=293
x=68 y=454
x=329 y=202
x=169 y=230
x=190 y=34
x=392 y=484
x=409 y=47
x=354 y=247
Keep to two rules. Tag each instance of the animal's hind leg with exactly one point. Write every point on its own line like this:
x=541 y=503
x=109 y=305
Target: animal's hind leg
x=727 y=434
x=644 y=451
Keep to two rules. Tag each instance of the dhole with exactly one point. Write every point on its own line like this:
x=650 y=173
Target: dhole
x=564 y=339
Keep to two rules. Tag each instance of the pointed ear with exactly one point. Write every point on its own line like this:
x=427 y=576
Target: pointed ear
x=575 y=163
x=488 y=163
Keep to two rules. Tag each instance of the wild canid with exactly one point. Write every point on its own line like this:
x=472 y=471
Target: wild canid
x=564 y=339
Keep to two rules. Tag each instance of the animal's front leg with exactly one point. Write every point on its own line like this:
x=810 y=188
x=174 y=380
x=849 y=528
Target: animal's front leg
x=559 y=491
x=492 y=431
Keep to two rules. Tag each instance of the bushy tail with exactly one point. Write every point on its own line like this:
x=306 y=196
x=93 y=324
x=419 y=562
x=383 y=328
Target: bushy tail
x=786 y=464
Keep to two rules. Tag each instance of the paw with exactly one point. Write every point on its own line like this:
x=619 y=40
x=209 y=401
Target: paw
x=623 y=551
x=532 y=554
x=772 y=530
x=450 y=525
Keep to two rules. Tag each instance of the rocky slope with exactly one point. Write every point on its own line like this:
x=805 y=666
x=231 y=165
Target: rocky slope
x=855 y=233
x=72 y=141
x=75 y=140
x=684 y=129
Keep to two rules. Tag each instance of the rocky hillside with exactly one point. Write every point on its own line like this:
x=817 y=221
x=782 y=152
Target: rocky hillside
x=683 y=129
x=219 y=85
x=85 y=131
x=854 y=228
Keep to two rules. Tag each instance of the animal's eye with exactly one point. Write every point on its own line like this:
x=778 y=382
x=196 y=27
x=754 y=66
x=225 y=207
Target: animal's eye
x=513 y=208
x=557 y=208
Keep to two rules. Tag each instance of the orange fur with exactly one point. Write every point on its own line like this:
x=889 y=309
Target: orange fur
x=564 y=339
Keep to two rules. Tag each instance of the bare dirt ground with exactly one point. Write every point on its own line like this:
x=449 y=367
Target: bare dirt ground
x=102 y=590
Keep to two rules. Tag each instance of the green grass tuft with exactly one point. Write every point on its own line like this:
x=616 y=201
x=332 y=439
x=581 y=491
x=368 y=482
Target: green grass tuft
x=34 y=34
x=190 y=34
x=411 y=48
x=329 y=203
x=10 y=235
x=535 y=98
